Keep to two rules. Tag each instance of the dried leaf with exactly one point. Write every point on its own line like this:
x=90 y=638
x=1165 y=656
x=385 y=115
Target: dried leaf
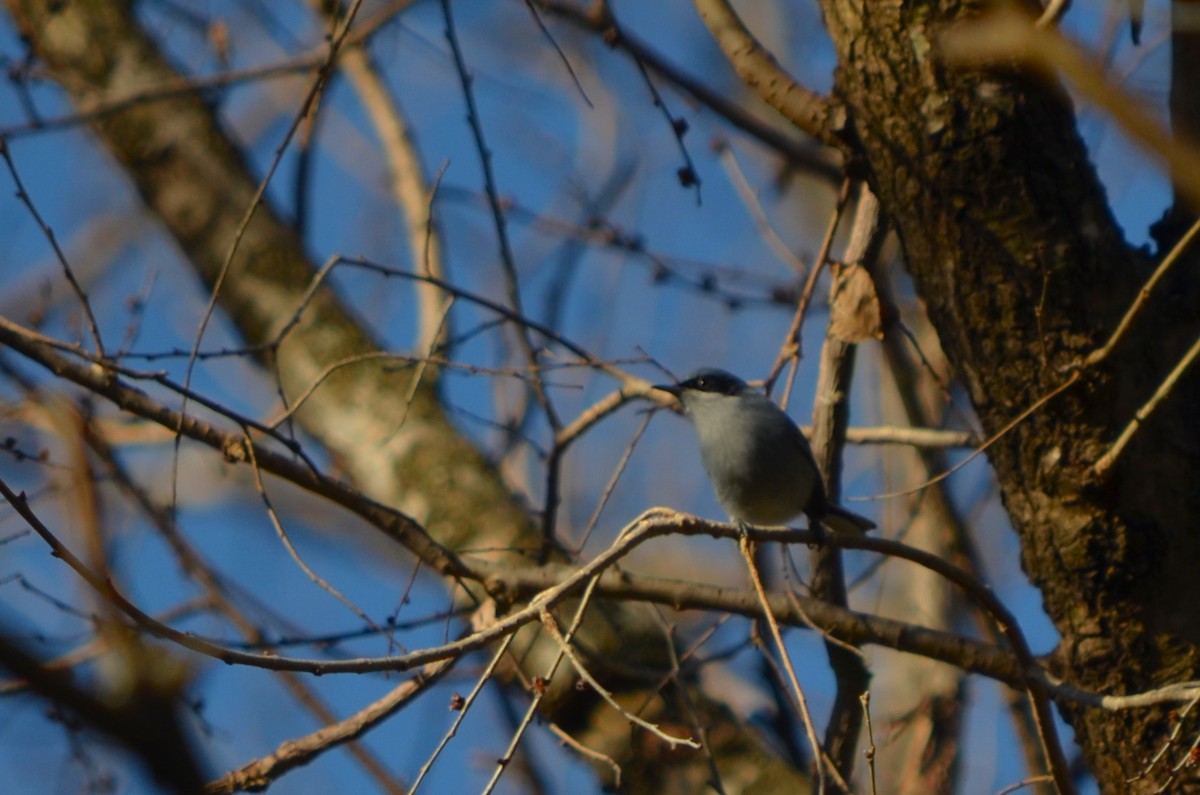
x=854 y=314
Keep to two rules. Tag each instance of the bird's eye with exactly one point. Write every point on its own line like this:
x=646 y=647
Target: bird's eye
x=703 y=383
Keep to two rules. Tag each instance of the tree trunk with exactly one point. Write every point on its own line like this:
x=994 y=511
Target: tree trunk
x=1006 y=231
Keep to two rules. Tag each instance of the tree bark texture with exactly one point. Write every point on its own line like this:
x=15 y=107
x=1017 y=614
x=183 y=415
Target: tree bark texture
x=1007 y=233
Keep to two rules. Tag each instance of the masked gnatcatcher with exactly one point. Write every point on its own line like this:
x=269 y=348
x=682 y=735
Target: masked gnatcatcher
x=760 y=464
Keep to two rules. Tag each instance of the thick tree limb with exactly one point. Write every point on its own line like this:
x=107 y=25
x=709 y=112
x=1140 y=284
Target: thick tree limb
x=1021 y=284
x=821 y=117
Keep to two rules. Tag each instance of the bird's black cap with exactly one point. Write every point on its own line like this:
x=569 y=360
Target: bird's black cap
x=709 y=379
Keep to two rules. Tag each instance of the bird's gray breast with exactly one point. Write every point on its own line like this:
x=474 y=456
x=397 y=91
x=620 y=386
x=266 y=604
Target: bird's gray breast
x=755 y=458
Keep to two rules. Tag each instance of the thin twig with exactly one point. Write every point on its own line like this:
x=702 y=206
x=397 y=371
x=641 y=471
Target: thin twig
x=284 y=539
x=562 y=56
x=807 y=620
x=216 y=597
x=1072 y=379
x=1053 y=13
x=328 y=370
x=749 y=196
x=24 y=197
x=300 y=751
x=611 y=485
x=1175 y=255
x=1106 y=461
x=507 y=260
x=688 y=176
x=313 y=59
x=671 y=740
x=590 y=753
x=592 y=415
x=928 y=438
x=423 y=363
x=410 y=186
x=102 y=381
x=335 y=43
x=790 y=349
x=1167 y=745
x=672 y=678
x=1028 y=782
x=810 y=729
x=595 y=17
x=463 y=709
x=553 y=585
x=869 y=753
x=541 y=686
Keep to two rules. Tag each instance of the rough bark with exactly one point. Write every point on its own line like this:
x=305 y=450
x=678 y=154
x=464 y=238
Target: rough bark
x=1007 y=233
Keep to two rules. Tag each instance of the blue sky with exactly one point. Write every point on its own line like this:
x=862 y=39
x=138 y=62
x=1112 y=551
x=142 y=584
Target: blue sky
x=550 y=152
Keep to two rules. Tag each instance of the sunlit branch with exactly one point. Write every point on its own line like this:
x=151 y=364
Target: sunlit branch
x=821 y=117
x=300 y=751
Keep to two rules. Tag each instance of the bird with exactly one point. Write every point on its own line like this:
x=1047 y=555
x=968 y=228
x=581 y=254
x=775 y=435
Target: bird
x=758 y=461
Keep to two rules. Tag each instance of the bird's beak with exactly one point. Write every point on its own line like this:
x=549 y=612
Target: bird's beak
x=674 y=391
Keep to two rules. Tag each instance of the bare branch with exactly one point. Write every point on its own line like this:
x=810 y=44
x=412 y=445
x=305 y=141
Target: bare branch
x=823 y=767
x=820 y=117
x=48 y=233
x=1106 y=461
x=300 y=751
x=598 y=19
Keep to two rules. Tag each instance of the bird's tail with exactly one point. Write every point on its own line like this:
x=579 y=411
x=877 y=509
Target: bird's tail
x=839 y=520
